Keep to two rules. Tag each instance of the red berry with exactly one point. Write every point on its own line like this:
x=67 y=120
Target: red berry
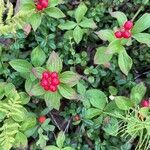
x=44 y=4
x=53 y=88
x=39 y=7
x=128 y=25
x=126 y=34
x=46 y=87
x=55 y=81
x=46 y=74
x=145 y=103
x=54 y=75
x=44 y=82
x=118 y=34
x=42 y=119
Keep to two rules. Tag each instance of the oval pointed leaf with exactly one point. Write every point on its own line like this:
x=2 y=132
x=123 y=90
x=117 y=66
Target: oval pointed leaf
x=88 y=23
x=120 y=16
x=54 y=12
x=102 y=56
x=97 y=98
x=68 y=25
x=142 y=23
x=106 y=35
x=21 y=66
x=77 y=34
x=125 y=62
x=38 y=57
x=80 y=12
x=67 y=92
x=54 y=62
x=70 y=78
x=52 y=100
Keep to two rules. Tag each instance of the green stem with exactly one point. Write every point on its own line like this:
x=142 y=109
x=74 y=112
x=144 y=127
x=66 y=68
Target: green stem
x=137 y=13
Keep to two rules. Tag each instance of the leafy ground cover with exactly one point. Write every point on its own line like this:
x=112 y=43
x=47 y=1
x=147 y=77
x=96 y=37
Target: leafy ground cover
x=75 y=75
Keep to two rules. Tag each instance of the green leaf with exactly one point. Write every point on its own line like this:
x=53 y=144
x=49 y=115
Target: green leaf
x=68 y=25
x=68 y=148
x=67 y=92
x=142 y=38
x=123 y=103
x=102 y=56
x=80 y=12
x=77 y=34
x=111 y=127
x=114 y=47
x=92 y=112
x=87 y=23
x=54 y=62
x=51 y=148
x=137 y=93
x=29 y=122
x=38 y=56
x=81 y=88
x=97 y=98
x=142 y=24
x=35 y=20
x=24 y=98
x=20 y=140
x=120 y=16
x=28 y=7
x=125 y=62
x=52 y=100
x=54 y=3
x=54 y=12
x=60 y=139
x=37 y=90
x=70 y=78
x=33 y=88
x=106 y=35
x=21 y=66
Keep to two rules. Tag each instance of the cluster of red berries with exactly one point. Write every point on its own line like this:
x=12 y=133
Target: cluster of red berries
x=145 y=103
x=41 y=119
x=50 y=81
x=125 y=31
x=41 y=4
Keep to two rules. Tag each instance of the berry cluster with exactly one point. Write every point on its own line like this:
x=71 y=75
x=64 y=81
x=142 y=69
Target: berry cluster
x=41 y=119
x=125 y=31
x=41 y=4
x=50 y=81
x=145 y=103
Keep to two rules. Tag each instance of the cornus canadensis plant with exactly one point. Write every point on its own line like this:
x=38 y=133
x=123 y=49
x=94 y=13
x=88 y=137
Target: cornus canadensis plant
x=128 y=31
x=77 y=28
x=15 y=120
x=38 y=8
x=47 y=81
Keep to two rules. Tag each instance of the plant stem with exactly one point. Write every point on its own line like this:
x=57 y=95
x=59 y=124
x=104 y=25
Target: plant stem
x=139 y=10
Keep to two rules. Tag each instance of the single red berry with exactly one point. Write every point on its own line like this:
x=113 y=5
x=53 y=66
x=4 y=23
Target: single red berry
x=54 y=75
x=118 y=34
x=39 y=7
x=44 y=82
x=46 y=87
x=44 y=4
x=128 y=25
x=46 y=74
x=55 y=81
x=53 y=88
x=41 y=119
x=76 y=118
x=126 y=34
x=145 y=103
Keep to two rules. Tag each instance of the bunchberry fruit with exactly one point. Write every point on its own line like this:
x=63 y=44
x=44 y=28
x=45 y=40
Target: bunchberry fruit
x=118 y=34
x=126 y=34
x=41 y=119
x=128 y=25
